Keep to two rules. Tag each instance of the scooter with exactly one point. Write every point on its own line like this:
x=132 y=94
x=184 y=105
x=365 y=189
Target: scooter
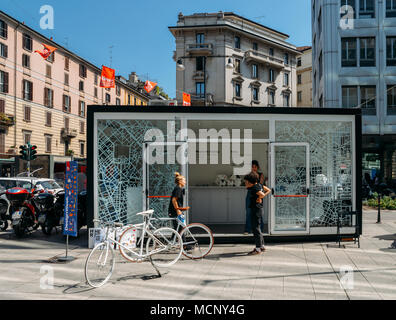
x=50 y=211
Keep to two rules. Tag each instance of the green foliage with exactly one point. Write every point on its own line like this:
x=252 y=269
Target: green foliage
x=159 y=91
x=386 y=202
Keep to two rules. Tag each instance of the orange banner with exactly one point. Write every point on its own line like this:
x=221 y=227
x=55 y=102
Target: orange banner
x=149 y=86
x=47 y=51
x=186 y=99
x=107 y=79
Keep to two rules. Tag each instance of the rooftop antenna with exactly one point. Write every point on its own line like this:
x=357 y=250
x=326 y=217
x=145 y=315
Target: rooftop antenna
x=111 y=55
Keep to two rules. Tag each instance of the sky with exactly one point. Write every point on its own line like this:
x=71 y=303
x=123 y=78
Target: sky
x=137 y=30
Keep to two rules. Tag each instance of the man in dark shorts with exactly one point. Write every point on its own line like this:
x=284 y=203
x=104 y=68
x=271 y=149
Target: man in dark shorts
x=176 y=200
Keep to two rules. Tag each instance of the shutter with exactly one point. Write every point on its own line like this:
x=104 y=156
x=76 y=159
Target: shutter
x=29 y=113
x=6 y=51
x=52 y=98
x=31 y=91
x=69 y=108
x=5 y=85
x=2 y=106
x=64 y=102
x=46 y=97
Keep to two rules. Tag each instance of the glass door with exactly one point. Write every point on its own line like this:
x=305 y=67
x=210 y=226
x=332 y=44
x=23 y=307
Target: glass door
x=161 y=160
x=290 y=176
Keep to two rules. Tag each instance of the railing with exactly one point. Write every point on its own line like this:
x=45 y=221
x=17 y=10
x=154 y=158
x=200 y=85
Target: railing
x=67 y=132
x=263 y=56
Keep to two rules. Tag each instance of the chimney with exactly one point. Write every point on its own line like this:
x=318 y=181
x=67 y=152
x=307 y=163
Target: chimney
x=133 y=78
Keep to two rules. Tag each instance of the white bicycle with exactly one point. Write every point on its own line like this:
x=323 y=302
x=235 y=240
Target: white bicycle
x=162 y=246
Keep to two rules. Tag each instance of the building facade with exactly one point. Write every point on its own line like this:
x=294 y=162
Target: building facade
x=230 y=60
x=354 y=66
x=44 y=101
x=304 y=77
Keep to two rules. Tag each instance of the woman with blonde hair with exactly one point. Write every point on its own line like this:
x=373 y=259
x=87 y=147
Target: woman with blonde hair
x=176 y=202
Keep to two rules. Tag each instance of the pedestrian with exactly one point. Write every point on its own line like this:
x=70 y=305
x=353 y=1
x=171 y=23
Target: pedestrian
x=176 y=201
x=256 y=209
x=255 y=168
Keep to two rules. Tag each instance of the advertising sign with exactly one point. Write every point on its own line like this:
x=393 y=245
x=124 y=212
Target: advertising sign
x=71 y=206
x=186 y=99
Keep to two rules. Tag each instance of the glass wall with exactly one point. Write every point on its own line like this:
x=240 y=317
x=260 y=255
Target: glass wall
x=330 y=155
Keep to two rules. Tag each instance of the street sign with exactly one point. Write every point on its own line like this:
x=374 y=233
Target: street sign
x=71 y=205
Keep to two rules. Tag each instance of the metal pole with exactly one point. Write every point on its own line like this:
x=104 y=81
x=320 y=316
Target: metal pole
x=379 y=208
x=205 y=81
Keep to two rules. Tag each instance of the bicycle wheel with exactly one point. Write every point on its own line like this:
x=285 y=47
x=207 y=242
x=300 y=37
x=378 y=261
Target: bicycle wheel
x=131 y=244
x=164 y=247
x=99 y=265
x=197 y=240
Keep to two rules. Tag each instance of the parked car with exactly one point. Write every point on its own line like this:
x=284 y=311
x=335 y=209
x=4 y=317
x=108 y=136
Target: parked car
x=28 y=183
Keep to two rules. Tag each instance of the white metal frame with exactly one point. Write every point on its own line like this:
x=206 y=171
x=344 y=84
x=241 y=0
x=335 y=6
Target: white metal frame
x=272 y=205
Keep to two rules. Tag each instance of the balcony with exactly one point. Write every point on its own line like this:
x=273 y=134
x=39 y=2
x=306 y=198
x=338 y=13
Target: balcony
x=268 y=60
x=67 y=133
x=200 y=49
x=6 y=120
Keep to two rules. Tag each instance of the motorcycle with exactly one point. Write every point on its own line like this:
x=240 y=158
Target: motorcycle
x=50 y=211
x=23 y=210
x=3 y=215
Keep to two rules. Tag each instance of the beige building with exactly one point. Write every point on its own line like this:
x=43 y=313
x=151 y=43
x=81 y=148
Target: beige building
x=304 y=77
x=225 y=59
x=45 y=101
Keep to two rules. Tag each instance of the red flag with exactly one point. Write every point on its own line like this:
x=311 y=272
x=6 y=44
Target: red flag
x=47 y=51
x=149 y=86
x=186 y=99
x=107 y=79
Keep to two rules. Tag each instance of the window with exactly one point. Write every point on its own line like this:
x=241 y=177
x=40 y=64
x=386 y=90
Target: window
x=118 y=90
x=48 y=71
x=314 y=48
x=2 y=106
x=255 y=46
x=83 y=71
x=82 y=127
x=237 y=42
x=299 y=79
x=66 y=79
x=27 y=43
x=27 y=90
x=254 y=71
x=134 y=101
x=349 y=96
x=26 y=113
x=95 y=79
x=367 y=99
x=67 y=63
x=320 y=23
x=237 y=90
x=66 y=103
x=271 y=76
x=81 y=109
x=286 y=100
x=271 y=97
x=390 y=9
x=391 y=100
x=82 y=148
x=108 y=98
x=320 y=66
x=48 y=143
x=118 y=102
x=3 y=29
x=48 y=119
x=237 y=66
x=3 y=50
x=286 y=58
x=200 y=38
x=48 y=97
x=299 y=96
x=96 y=92
x=348 y=47
x=350 y=6
x=66 y=122
x=51 y=57
x=391 y=51
x=199 y=63
x=3 y=82
x=200 y=89
x=286 y=79
x=366 y=9
x=27 y=135
x=255 y=94
x=271 y=52
x=81 y=86
x=367 y=52
x=26 y=61
x=298 y=62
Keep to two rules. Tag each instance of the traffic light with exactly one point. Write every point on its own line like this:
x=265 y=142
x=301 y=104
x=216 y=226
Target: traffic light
x=33 y=152
x=23 y=152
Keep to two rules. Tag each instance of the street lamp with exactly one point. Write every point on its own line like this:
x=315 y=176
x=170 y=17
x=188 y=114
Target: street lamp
x=230 y=65
x=180 y=66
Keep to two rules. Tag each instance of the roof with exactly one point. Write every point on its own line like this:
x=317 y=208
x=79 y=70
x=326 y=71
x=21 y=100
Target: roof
x=304 y=48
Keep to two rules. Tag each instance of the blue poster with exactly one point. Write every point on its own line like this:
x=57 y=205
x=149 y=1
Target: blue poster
x=71 y=191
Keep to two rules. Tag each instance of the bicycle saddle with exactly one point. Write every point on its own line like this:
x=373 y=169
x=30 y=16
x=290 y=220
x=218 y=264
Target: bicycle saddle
x=145 y=213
